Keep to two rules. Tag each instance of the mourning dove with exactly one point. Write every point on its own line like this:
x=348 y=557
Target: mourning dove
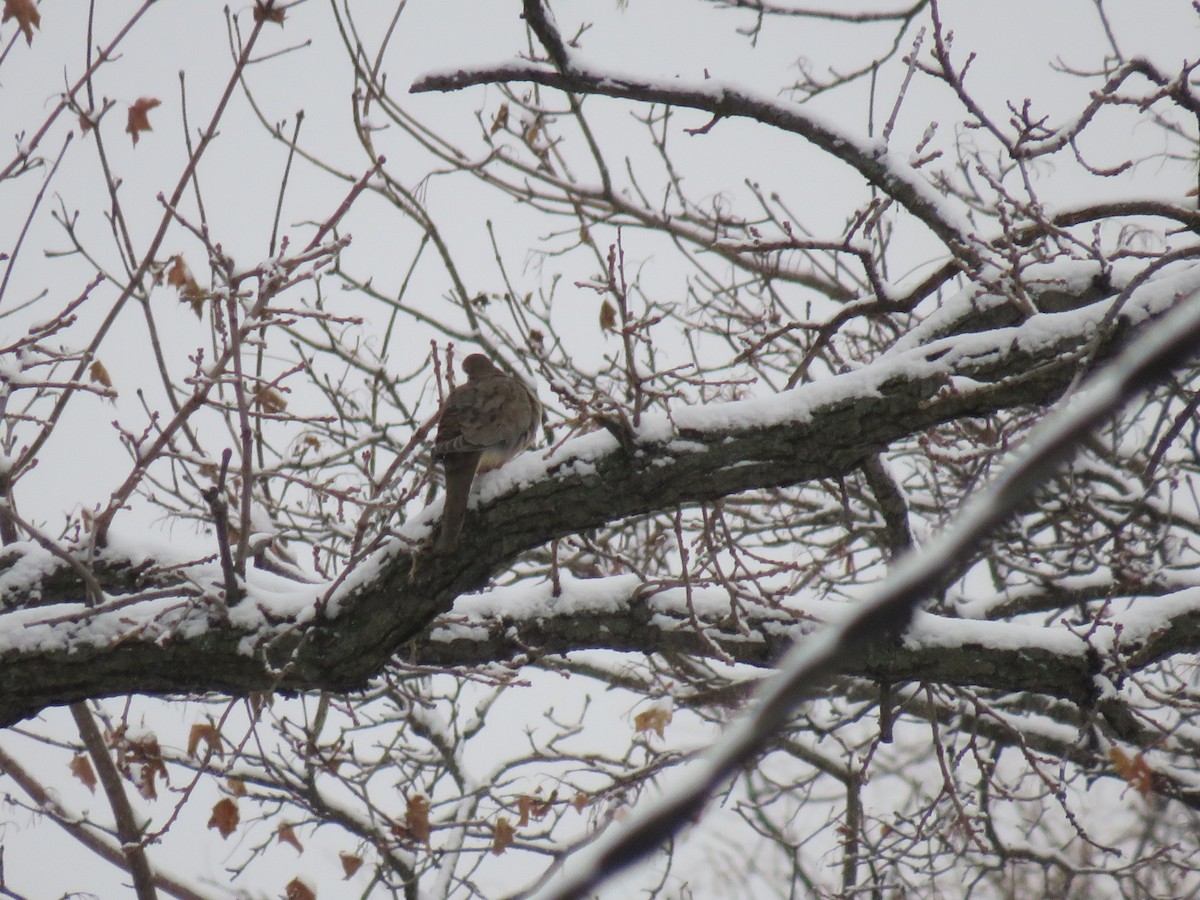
x=484 y=423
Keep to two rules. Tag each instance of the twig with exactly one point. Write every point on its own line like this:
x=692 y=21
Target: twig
x=1168 y=344
x=30 y=453
x=913 y=193
x=215 y=498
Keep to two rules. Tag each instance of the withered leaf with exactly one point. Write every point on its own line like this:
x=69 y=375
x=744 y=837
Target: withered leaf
x=142 y=763
x=99 y=374
x=350 y=864
x=258 y=700
x=1136 y=771
x=269 y=400
x=533 y=807
x=207 y=732
x=655 y=719
x=81 y=768
x=287 y=835
x=501 y=120
x=224 y=817
x=26 y=14
x=502 y=836
x=269 y=11
x=417 y=818
x=298 y=890
x=608 y=316
x=180 y=276
x=139 y=119
x=532 y=132
x=540 y=807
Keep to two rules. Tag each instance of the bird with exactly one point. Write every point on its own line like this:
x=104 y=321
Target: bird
x=483 y=424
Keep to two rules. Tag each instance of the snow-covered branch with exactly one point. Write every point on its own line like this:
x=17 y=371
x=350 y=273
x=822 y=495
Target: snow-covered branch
x=871 y=159
x=179 y=641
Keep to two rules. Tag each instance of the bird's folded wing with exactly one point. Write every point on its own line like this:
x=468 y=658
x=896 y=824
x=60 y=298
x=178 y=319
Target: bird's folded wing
x=492 y=414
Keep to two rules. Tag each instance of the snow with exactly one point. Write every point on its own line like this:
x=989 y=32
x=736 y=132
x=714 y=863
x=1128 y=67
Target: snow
x=25 y=565
x=1139 y=622
x=578 y=597
x=75 y=626
x=11 y=370
x=277 y=604
x=732 y=95
x=931 y=632
x=1097 y=582
x=277 y=599
x=475 y=614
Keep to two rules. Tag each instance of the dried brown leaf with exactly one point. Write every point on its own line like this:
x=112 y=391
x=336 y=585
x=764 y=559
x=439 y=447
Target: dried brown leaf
x=207 y=732
x=81 y=768
x=502 y=835
x=180 y=276
x=298 y=890
x=269 y=400
x=1135 y=770
x=139 y=119
x=224 y=816
x=533 y=131
x=99 y=374
x=350 y=864
x=501 y=121
x=533 y=807
x=608 y=316
x=269 y=11
x=287 y=835
x=417 y=818
x=140 y=760
x=26 y=14
x=654 y=719
x=258 y=700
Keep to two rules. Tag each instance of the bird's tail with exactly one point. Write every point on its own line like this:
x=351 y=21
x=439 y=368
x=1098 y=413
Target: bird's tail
x=460 y=472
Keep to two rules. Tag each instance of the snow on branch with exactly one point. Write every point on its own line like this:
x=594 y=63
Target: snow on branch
x=1147 y=362
x=871 y=158
x=164 y=615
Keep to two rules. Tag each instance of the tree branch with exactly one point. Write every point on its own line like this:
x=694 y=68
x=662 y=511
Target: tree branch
x=127 y=826
x=1169 y=344
x=821 y=430
x=893 y=177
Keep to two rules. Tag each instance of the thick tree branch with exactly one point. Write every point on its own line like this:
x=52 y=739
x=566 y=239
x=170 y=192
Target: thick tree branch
x=621 y=615
x=822 y=430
